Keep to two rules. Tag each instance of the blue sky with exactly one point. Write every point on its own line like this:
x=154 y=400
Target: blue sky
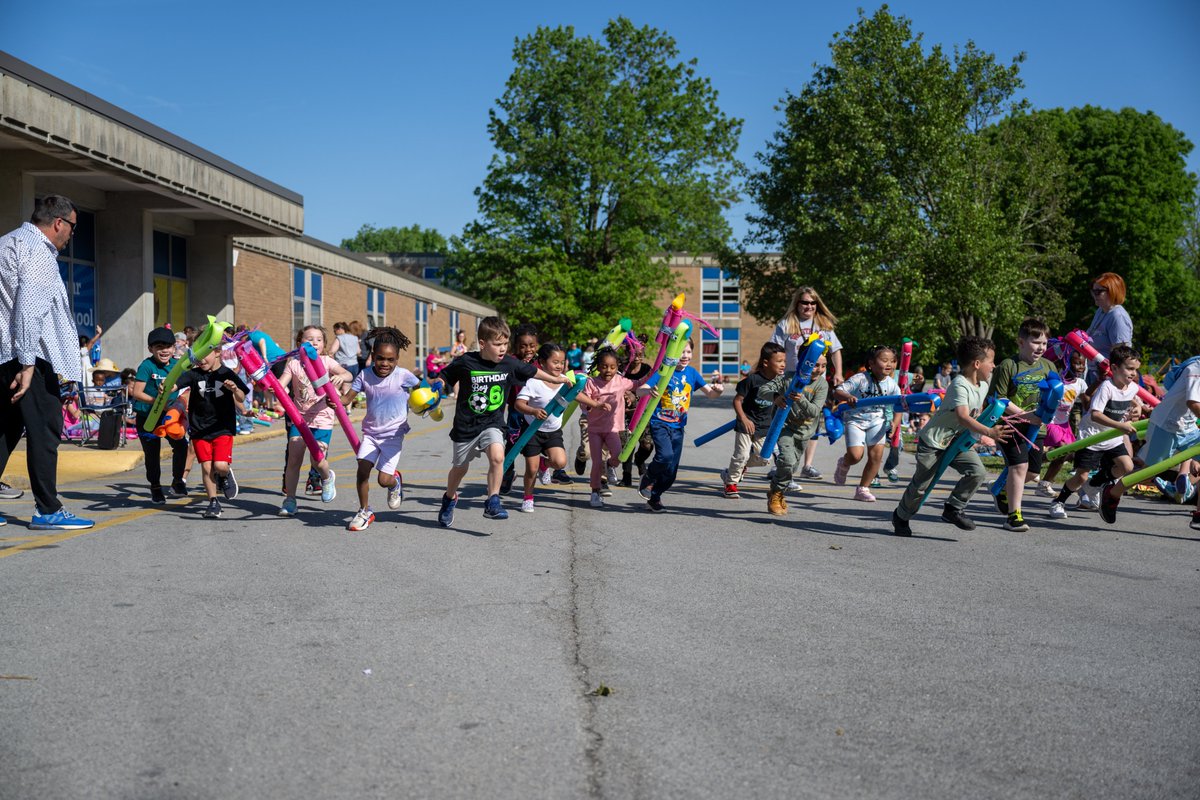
x=377 y=111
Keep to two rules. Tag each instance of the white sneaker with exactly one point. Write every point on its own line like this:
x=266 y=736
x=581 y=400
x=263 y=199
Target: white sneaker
x=1089 y=498
x=362 y=520
x=1045 y=489
x=613 y=477
x=544 y=478
x=527 y=506
x=396 y=493
x=596 y=501
x=794 y=487
x=1058 y=510
x=893 y=476
x=863 y=495
x=329 y=488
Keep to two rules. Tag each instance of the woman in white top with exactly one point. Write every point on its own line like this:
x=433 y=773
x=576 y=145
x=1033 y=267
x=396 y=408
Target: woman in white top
x=808 y=314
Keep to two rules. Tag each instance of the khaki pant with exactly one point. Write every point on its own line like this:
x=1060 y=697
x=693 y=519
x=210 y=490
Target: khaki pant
x=747 y=452
x=966 y=463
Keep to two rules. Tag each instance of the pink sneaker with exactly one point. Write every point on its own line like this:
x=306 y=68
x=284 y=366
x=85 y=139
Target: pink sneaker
x=863 y=495
x=839 y=474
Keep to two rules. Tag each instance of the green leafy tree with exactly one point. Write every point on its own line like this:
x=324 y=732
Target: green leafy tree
x=413 y=239
x=608 y=153
x=893 y=187
x=1133 y=199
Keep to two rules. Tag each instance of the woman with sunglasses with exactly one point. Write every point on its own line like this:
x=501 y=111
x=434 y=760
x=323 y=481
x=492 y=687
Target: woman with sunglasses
x=808 y=314
x=1111 y=325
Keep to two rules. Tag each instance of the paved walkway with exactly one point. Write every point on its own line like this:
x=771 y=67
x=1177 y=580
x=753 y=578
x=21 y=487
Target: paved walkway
x=163 y=655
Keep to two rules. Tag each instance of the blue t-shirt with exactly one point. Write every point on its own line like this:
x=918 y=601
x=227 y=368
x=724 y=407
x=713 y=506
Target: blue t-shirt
x=153 y=374
x=575 y=358
x=677 y=399
x=274 y=351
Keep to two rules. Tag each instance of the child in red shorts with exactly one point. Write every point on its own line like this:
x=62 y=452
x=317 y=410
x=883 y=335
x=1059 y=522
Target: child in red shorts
x=215 y=394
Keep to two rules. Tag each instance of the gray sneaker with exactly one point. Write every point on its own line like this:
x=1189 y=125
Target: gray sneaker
x=810 y=472
x=9 y=493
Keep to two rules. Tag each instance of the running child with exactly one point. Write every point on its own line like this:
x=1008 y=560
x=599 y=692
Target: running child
x=483 y=380
x=1113 y=404
x=636 y=369
x=315 y=410
x=1060 y=431
x=387 y=387
x=150 y=376
x=525 y=347
x=754 y=407
x=867 y=429
x=1016 y=380
x=215 y=395
x=547 y=443
x=605 y=396
x=667 y=428
x=963 y=401
x=1173 y=428
x=800 y=426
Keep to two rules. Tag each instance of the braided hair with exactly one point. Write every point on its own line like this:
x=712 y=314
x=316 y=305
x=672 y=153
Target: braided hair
x=387 y=335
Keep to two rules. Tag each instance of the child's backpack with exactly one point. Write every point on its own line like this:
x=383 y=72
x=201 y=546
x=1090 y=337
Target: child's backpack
x=1174 y=372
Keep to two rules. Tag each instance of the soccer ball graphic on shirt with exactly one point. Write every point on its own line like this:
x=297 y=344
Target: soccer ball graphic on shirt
x=478 y=402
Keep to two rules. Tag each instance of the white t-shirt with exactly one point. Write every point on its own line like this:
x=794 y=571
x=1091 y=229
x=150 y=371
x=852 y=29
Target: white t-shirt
x=539 y=394
x=387 y=401
x=862 y=385
x=791 y=342
x=1113 y=403
x=1071 y=392
x=1173 y=414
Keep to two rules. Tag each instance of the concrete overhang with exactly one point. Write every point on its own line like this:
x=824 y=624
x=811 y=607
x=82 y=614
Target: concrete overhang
x=113 y=150
x=324 y=257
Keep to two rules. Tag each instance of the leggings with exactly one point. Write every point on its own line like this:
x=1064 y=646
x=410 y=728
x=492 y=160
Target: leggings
x=597 y=441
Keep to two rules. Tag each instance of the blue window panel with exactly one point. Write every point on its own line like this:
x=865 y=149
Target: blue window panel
x=710 y=308
x=370 y=299
x=731 y=308
x=731 y=334
x=178 y=257
x=83 y=242
x=730 y=369
x=379 y=302
x=297 y=282
x=707 y=336
x=316 y=287
x=162 y=253
x=711 y=272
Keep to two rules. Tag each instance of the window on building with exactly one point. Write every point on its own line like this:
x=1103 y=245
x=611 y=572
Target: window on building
x=375 y=307
x=722 y=352
x=453 y=327
x=77 y=265
x=170 y=280
x=445 y=276
x=307 y=287
x=421 y=333
x=719 y=294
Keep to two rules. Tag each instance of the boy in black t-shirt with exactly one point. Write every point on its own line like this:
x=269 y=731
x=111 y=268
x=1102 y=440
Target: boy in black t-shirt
x=483 y=381
x=754 y=405
x=216 y=393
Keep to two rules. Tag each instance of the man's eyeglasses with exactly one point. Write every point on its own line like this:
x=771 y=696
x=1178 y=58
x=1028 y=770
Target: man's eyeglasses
x=72 y=224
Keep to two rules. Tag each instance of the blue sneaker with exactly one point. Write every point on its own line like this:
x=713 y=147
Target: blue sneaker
x=1184 y=487
x=492 y=508
x=61 y=520
x=446 y=514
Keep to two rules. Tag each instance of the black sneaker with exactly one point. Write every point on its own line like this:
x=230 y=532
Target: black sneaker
x=507 y=481
x=560 y=476
x=580 y=461
x=214 y=509
x=1109 y=500
x=656 y=505
x=1001 y=502
x=900 y=527
x=178 y=489
x=156 y=495
x=957 y=517
x=229 y=485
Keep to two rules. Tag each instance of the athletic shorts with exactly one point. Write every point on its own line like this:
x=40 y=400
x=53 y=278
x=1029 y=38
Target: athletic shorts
x=1102 y=460
x=1161 y=444
x=867 y=433
x=383 y=453
x=466 y=452
x=1058 y=435
x=543 y=441
x=218 y=449
x=1016 y=451
x=322 y=435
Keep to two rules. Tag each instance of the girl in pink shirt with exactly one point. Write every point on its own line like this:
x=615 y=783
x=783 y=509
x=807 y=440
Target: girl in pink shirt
x=606 y=416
